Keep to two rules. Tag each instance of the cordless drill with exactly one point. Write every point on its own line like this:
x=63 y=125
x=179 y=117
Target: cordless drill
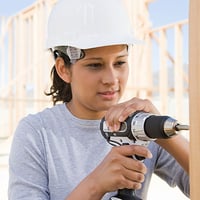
x=140 y=128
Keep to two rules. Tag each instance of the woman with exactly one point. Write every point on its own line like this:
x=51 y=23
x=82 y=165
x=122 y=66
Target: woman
x=60 y=153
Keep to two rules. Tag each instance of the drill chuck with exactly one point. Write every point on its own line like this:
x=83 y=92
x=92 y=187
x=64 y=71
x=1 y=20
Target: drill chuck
x=146 y=125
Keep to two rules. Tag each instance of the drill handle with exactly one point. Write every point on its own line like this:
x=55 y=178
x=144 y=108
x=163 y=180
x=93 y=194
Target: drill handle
x=125 y=194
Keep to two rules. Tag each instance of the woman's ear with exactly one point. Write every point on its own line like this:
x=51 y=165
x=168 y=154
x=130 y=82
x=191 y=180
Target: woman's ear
x=62 y=70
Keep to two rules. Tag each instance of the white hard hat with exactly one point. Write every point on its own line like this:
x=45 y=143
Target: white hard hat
x=88 y=24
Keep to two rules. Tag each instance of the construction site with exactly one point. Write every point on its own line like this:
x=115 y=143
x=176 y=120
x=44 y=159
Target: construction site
x=159 y=71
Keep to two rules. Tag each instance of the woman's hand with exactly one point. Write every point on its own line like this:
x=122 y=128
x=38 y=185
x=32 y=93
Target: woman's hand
x=119 y=170
x=118 y=113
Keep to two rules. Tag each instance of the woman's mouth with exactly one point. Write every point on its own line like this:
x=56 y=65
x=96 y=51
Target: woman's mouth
x=108 y=95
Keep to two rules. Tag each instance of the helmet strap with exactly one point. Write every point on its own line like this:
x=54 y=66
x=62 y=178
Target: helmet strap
x=74 y=54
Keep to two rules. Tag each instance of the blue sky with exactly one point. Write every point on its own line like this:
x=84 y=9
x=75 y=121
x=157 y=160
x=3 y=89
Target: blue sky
x=167 y=11
x=10 y=7
x=161 y=11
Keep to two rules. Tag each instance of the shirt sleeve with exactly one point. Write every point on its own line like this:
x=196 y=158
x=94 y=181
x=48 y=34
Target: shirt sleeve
x=28 y=175
x=168 y=169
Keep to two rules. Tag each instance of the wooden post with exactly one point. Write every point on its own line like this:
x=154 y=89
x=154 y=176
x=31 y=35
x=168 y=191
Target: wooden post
x=194 y=96
x=178 y=72
x=163 y=73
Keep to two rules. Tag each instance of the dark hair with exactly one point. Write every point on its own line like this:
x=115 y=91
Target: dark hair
x=59 y=90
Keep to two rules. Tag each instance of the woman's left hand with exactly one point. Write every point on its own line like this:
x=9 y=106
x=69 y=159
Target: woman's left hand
x=119 y=112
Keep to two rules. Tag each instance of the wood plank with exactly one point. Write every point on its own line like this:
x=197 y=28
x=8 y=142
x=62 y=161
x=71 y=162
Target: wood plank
x=194 y=95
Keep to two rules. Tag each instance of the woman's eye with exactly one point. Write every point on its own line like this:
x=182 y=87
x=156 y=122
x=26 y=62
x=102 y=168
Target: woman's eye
x=100 y=65
x=120 y=63
x=94 y=65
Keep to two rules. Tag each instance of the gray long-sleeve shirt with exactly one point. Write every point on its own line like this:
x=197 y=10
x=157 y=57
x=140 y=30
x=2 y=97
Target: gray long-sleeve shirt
x=53 y=151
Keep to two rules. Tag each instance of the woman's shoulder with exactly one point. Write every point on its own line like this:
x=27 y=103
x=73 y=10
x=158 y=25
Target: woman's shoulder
x=43 y=118
x=35 y=125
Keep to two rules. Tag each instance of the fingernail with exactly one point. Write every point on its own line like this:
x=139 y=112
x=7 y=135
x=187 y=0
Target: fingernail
x=121 y=119
x=150 y=155
x=116 y=127
x=110 y=128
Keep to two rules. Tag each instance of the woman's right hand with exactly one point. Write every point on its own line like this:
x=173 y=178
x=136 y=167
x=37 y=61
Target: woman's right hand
x=119 y=170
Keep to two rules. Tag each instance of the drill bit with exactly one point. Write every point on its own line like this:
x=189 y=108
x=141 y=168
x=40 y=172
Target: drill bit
x=180 y=127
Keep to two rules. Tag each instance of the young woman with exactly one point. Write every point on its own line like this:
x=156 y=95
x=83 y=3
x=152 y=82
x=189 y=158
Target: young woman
x=60 y=153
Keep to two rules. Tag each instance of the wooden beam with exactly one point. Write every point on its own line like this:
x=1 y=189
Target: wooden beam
x=194 y=96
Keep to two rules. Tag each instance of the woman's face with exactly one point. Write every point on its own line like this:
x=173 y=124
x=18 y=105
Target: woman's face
x=98 y=81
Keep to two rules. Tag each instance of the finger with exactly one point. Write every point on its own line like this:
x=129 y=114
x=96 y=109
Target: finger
x=114 y=113
x=126 y=160
x=138 y=105
x=124 y=182
x=134 y=165
x=113 y=123
x=120 y=111
x=135 y=176
x=129 y=150
x=132 y=180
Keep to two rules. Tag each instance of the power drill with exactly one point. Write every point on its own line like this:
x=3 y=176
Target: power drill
x=140 y=128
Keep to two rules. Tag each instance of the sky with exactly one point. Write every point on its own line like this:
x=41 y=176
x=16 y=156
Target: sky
x=167 y=11
x=161 y=11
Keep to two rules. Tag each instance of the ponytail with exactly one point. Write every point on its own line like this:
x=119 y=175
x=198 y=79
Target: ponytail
x=59 y=90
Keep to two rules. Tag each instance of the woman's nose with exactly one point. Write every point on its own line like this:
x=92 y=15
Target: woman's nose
x=110 y=76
